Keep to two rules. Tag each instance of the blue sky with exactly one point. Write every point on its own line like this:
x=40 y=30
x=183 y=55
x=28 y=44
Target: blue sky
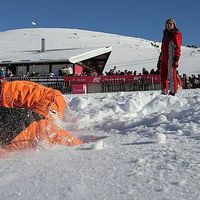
x=141 y=18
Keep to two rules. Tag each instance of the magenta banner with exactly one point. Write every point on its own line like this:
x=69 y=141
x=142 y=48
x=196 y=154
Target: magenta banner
x=110 y=78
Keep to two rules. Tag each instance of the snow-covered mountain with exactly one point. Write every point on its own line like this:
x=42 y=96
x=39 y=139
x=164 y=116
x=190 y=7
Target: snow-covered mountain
x=127 y=52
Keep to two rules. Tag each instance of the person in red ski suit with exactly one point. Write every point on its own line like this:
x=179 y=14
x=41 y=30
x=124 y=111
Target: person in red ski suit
x=169 y=57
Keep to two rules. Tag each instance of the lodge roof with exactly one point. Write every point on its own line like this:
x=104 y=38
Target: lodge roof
x=74 y=55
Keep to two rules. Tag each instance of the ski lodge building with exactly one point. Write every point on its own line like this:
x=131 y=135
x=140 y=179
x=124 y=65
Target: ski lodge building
x=44 y=61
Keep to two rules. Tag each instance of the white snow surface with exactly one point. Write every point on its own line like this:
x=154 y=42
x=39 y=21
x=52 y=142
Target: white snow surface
x=137 y=145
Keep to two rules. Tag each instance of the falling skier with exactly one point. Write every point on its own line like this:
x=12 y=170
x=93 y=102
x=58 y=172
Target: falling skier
x=27 y=116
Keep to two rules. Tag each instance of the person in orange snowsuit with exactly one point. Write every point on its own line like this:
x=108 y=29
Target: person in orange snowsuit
x=28 y=112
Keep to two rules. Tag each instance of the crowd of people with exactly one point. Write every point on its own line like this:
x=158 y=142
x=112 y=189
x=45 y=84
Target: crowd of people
x=114 y=71
x=191 y=81
x=3 y=74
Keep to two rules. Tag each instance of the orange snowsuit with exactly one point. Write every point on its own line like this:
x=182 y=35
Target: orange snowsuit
x=35 y=108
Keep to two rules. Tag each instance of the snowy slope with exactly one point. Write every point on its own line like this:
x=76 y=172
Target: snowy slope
x=138 y=145
x=128 y=52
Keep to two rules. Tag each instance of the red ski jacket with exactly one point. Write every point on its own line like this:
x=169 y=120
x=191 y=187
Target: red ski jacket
x=171 y=47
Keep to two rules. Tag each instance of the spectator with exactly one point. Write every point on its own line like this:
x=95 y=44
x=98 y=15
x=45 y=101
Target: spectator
x=51 y=75
x=2 y=73
x=114 y=70
x=69 y=71
x=152 y=71
x=186 y=82
x=66 y=71
x=9 y=73
x=144 y=71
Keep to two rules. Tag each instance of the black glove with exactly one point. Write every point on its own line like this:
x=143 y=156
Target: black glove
x=176 y=63
x=159 y=64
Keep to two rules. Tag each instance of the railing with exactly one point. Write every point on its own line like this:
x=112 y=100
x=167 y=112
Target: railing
x=115 y=83
x=53 y=82
x=97 y=84
x=135 y=84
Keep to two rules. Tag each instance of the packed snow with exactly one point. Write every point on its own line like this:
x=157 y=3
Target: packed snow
x=137 y=145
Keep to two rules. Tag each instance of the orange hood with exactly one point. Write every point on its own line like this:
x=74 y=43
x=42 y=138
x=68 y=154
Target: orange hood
x=32 y=96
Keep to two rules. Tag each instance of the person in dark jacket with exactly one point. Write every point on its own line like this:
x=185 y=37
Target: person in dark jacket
x=169 y=57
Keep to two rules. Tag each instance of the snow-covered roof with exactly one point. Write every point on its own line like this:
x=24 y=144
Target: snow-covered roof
x=72 y=55
x=90 y=54
x=46 y=45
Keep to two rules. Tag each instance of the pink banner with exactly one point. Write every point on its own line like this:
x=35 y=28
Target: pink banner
x=109 y=78
x=78 y=88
